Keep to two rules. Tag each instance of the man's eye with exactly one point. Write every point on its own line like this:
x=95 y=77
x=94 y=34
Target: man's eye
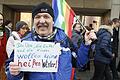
x=37 y=16
x=46 y=16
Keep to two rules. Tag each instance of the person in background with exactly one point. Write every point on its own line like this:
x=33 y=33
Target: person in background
x=118 y=66
x=43 y=21
x=76 y=40
x=103 y=55
x=3 y=54
x=76 y=35
x=21 y=30
x=92 y=48
x=8 y=28
x=116 y=25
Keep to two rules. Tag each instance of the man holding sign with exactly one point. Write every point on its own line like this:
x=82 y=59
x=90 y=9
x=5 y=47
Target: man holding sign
x=44 y=53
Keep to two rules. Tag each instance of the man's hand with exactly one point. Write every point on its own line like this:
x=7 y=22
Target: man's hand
x=93 y=35
x=90 y=36
x=14 y=68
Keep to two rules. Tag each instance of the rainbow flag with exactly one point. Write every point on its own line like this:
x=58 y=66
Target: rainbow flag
x=64 y=16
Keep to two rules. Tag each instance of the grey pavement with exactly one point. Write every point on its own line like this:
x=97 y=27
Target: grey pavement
x=86 y=75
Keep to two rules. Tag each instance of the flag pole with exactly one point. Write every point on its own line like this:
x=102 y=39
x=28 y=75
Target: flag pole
x=77 y=18
x=81 y=23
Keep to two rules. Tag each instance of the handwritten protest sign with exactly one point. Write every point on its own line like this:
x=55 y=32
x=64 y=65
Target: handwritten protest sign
x=37 y=56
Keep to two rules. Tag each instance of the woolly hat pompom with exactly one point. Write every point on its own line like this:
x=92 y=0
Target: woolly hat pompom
x=42 y=8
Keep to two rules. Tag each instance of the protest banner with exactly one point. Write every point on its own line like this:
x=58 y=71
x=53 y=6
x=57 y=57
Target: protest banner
x=37 y=56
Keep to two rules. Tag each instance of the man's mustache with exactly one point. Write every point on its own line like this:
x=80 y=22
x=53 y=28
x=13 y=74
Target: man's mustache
x=43 y=24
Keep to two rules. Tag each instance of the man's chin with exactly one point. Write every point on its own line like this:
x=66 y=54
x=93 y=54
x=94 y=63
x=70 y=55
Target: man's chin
x=43 y=34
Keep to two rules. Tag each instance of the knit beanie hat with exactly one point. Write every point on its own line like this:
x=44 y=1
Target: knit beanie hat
x=20 y=25
x=42 y=8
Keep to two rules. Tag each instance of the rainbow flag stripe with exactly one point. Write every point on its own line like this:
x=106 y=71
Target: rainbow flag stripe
x=64 y=16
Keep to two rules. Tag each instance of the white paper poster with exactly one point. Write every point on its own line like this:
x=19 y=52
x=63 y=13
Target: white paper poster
x=37 y=56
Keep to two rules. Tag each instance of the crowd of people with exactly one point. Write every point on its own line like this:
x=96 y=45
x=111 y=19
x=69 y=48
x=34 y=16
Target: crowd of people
x=74 y=51
x=7 y=37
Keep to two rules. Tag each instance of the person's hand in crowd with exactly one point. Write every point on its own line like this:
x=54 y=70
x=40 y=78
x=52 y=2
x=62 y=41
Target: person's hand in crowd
x=90 y=36
x=87 y=38
x=93 y=35
x=14 y=69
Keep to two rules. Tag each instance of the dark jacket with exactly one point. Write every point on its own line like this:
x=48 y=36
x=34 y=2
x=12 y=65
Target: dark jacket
x=8 y=32
x=115 y=42
x=103 y=46
x=77 y=39
x=80 y=50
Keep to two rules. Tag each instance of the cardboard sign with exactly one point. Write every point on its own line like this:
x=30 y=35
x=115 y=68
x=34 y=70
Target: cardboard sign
x=35 y=56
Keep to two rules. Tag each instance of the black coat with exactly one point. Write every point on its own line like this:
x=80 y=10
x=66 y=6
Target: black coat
x=8 y=32
x=115 y=42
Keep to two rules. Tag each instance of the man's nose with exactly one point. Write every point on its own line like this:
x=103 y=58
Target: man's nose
x=42 y=20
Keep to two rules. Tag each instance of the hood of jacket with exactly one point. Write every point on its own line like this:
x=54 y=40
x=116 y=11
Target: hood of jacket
x=16 y=35
x=108 y=28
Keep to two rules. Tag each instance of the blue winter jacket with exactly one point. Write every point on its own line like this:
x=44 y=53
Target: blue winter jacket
x=80 y=49
x=64 y=64
x=103 y=46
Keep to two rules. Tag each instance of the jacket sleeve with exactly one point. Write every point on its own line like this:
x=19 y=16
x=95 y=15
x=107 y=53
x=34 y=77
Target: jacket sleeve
x=82 y=55
x=105 y=46
x=9 y=76
x=115 y=42
x=65 y=66
x=76 y=39
x=10 y=46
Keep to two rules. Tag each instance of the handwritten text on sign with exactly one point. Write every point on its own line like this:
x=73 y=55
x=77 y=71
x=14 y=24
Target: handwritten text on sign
x=37 y=56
